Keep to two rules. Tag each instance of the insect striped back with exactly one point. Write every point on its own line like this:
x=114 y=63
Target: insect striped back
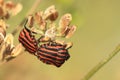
x=28 y=40
x=53 y=53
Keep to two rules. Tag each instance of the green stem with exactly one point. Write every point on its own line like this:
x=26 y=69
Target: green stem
x=101 y=64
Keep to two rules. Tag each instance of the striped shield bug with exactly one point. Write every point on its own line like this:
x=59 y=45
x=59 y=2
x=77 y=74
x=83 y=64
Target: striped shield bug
x=28 y=40
x=53 y=53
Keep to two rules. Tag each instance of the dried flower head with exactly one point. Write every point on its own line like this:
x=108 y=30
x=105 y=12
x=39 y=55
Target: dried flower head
x=3 y=27
x=17 y=50
x=51 y=13
x=8 y=50
x=2 y=30
x=7 y=46
x=48 y=49
x=9 y=8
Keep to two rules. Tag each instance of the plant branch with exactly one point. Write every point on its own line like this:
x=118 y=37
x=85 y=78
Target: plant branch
x=33 y=8
x=101 y=64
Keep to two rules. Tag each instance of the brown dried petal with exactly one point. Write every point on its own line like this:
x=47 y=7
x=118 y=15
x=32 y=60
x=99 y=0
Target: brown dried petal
x=40 y=21
x=2 y=31
x=44 y=39
x=60 y=42
x=66 y=31
x=65 y=20
x=6 y=15
x=1 y=2
x=53 y=16
x=1 y=12
x=9 y=39
x=2 y=49
x=51 y=33
x=5 y=50
x=9 y=5
x=68 y=45
x=64 y=23
x=37 y=31
x=1 y=38
x=17 y=50
x=2 y=27
x=2 y=24
x=18 y=7
x=38 y=17
x=30 y=21
x=71 y=31
x=6 y=47
x=43 y=25
x=51 y=13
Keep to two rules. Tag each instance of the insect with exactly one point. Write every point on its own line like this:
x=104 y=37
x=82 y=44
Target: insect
x=28 y=40
x=53 y=53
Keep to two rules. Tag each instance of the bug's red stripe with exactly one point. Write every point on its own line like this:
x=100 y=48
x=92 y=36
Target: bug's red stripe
x=29 y=47
x=55 y=60
x=64 y=52
x=47 y=62
x=29 y=37
x=52 y=53
x=55 y=47
x=47 y=59
x=46 y=55
x=31 y=50
x=27 y=41
x=53 y=50
x=55 y=57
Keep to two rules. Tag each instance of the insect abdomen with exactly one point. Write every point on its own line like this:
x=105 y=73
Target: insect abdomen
x=53 y=53
x=28 y=41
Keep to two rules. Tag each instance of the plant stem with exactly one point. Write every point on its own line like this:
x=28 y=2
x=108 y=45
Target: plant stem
x=33 y=8
x=101 y=64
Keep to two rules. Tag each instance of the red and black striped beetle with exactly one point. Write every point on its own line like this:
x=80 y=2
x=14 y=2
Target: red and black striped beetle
x=53 y=53
x=27 y=39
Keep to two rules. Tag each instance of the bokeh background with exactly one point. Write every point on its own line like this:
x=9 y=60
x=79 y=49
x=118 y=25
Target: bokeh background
x=98 y=33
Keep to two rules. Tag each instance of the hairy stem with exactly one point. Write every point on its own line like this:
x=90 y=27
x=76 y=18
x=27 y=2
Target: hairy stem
x=101 y=64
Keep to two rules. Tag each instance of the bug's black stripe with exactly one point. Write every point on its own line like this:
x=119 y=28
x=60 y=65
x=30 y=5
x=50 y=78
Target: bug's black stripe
x=50 y=56
x=49 y=61
x=30 y=49
x=46 y=55
x=53 y=54
x=27 y=42
x=46 y=61
x=54 y=48
x=56 y=58
x=64 y=52
x=29 y=36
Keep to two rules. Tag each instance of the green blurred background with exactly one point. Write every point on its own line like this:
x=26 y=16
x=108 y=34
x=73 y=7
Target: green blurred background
x=98 y=33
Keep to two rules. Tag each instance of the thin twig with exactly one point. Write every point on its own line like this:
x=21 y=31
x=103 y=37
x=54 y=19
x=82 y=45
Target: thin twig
x=33 y=8
x=101 y=64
